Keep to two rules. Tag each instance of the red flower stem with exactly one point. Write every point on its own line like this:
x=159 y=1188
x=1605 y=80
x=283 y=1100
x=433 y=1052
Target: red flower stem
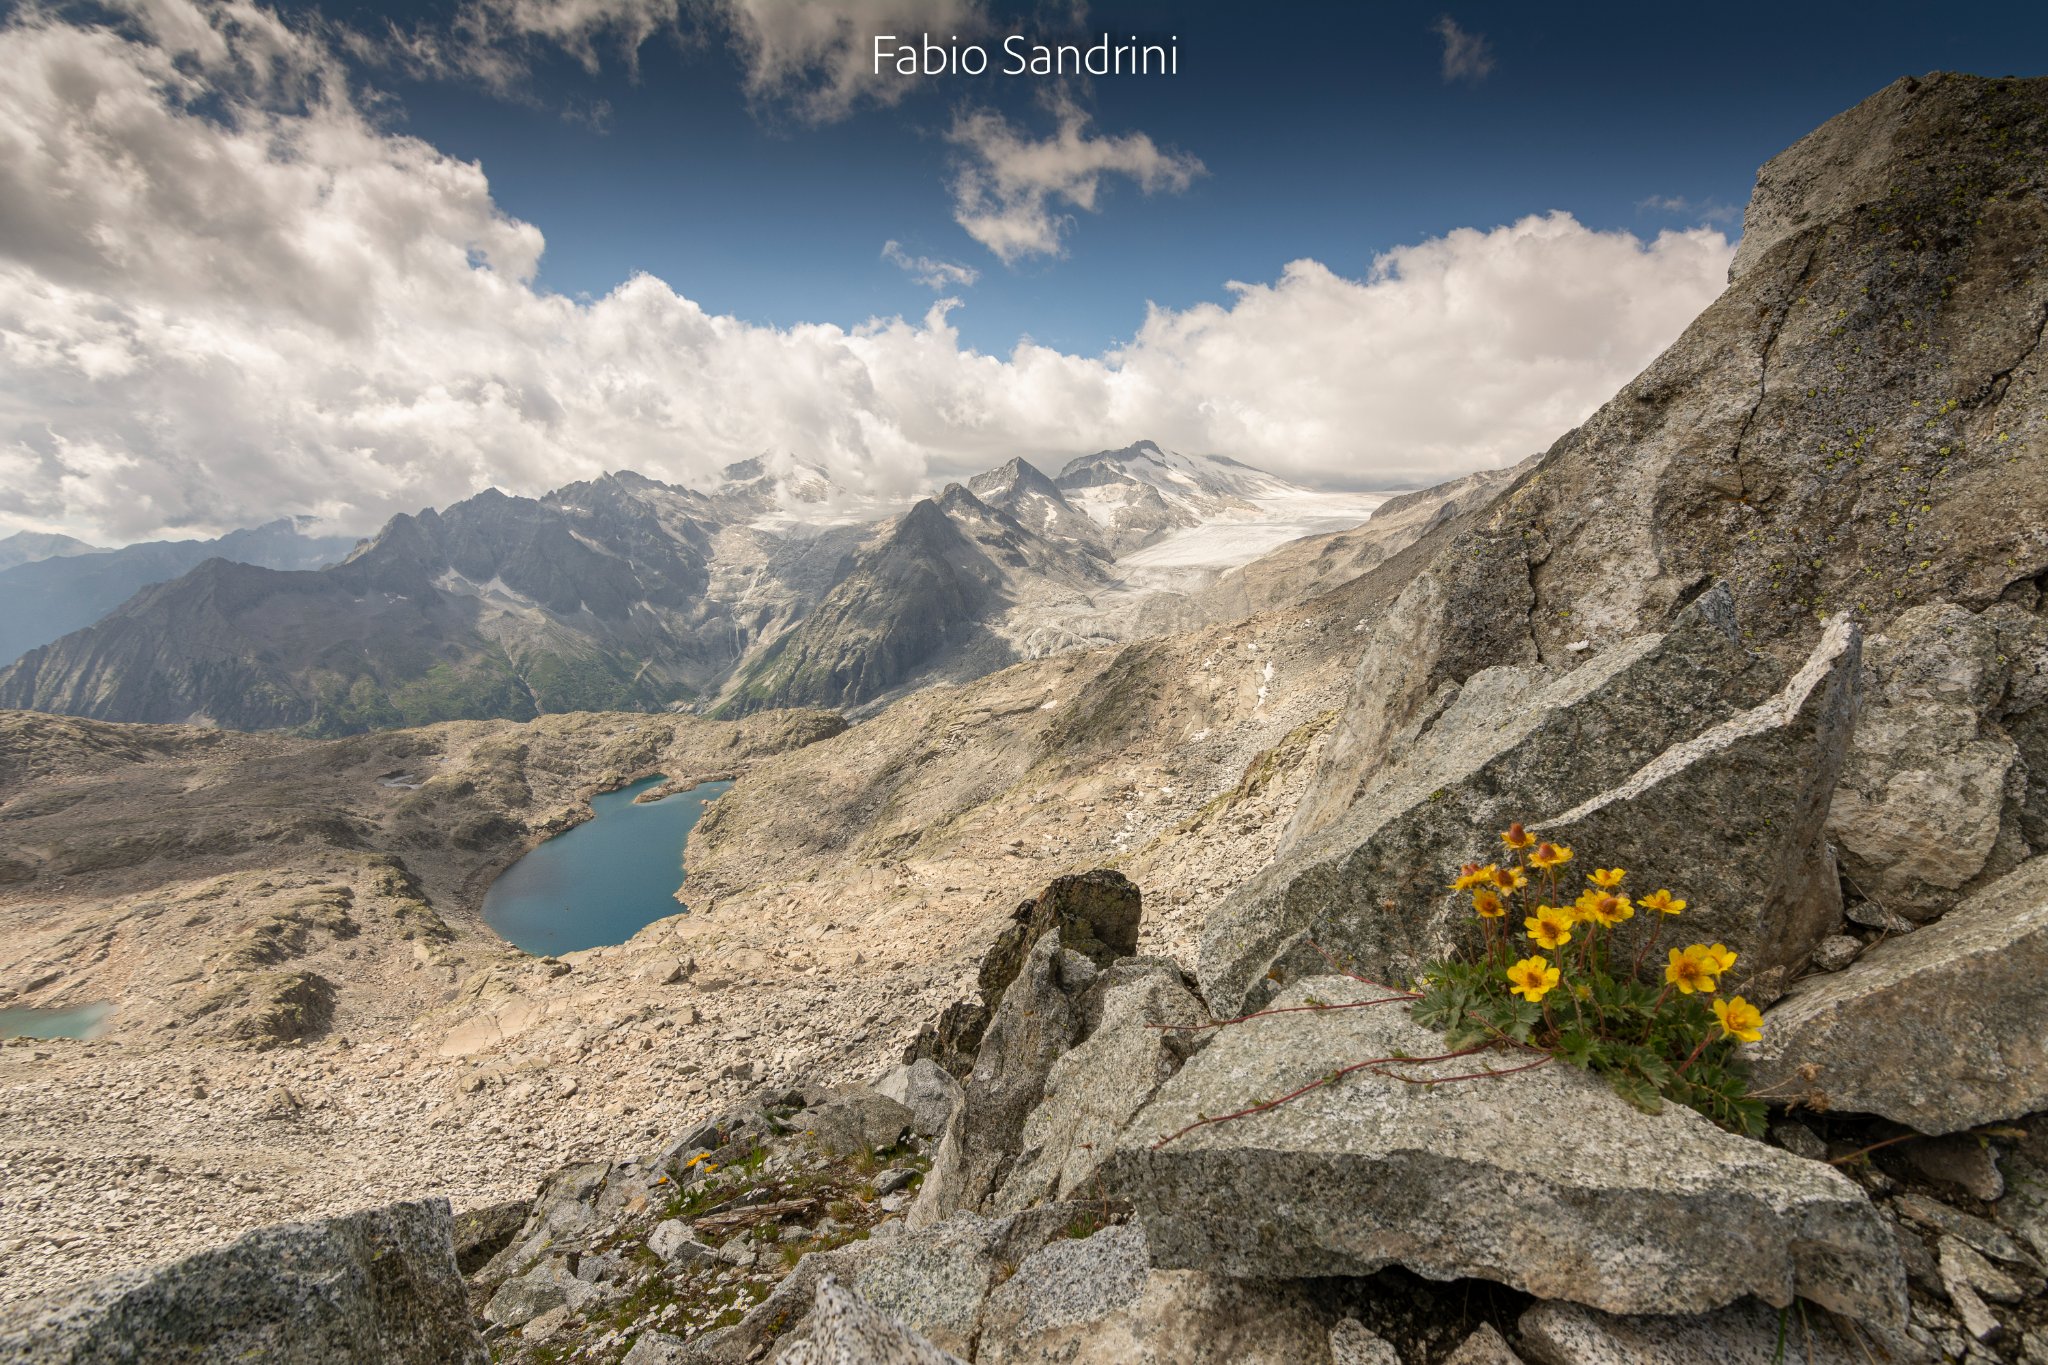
x=1695 y=1054
x=1313 y=1085
x=1285 y=1009
x=1469 y=1075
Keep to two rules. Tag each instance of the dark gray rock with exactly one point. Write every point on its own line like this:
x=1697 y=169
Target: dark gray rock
x=561 y=1212
x=1735 y=821
x=378 y=1285
x=1096 y=914
x=848 y=1120
x=1749 y=1333
x=482 y=1233
x=1039 y=1018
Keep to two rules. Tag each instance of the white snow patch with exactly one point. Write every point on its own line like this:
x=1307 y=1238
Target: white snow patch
x=1236 y=538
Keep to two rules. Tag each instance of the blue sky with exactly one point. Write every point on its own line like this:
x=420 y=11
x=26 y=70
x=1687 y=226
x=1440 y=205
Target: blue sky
x=1330 y=133
x=341 y=261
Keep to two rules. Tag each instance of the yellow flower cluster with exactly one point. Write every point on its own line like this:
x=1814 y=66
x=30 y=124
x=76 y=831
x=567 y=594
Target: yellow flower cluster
x=1697 y=969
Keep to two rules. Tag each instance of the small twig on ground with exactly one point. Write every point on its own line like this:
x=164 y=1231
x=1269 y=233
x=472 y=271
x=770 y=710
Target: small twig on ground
x=1848 y=1157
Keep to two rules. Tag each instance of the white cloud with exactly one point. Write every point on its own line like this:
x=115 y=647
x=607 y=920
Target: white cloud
x=218 y=305
x=1467 y=56
x=1708 y=211
x=817 y=56
x=1009 y=185
x=927 y=270
x=813 y=58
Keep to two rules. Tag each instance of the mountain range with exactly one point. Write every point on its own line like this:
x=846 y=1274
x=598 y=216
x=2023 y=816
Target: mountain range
x=775 y=587
x=53 y=585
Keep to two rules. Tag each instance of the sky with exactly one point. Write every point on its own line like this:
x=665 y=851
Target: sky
x=344 y=260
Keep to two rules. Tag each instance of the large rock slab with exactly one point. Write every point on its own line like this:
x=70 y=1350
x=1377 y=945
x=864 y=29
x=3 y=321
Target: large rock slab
x=847 y=1120
x=377 y=1285
x=1730 y=813
x=1735 y=820
x=932 y=1282
x=1509 y=744
x=1942 y=1029
x=1543 y=1180
x=1093 y=1089
x=1097 y=1301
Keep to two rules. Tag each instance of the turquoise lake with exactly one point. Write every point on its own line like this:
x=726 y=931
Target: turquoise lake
x=603 y=881
x=80 y=1021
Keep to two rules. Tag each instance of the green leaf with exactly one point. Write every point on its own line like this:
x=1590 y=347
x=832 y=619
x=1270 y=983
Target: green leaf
x=1576 y=1048
x=1636 y=1091
x=1442 y=1007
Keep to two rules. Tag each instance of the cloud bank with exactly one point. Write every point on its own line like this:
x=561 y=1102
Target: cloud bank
x=226 y=294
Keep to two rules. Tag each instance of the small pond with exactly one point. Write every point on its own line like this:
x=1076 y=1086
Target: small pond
x=603 y=881
x=79 y=1021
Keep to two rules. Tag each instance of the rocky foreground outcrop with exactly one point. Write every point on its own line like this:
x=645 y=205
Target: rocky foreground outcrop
x=380 y=1285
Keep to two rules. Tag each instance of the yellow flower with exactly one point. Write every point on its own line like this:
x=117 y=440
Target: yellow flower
x=1739 y=1019
x=1690 y=969
x=1532 y=978
x=1471 y=875
x=1550 y=855
x=1663 y=902
x=1550 y=926
x=1604 y=907
x=1514 y=836
x=1606 y=876
x=1510 y=878
x=1487 y=902
x=1723 y=958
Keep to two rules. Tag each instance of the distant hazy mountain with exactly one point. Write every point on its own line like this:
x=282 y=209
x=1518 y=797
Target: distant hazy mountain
x=773 y=588
x=51 y=594
x=24 y=547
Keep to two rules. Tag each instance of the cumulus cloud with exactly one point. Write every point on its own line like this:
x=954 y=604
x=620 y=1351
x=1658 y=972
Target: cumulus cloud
x=1467 y=56
x=928 y=270
x=496 y=42
x=1010 y=188
x=812 y=58
x=817 y=56
x=226 y=294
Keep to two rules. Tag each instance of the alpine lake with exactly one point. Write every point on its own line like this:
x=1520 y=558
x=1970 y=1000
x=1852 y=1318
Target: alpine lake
x=605 y=880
